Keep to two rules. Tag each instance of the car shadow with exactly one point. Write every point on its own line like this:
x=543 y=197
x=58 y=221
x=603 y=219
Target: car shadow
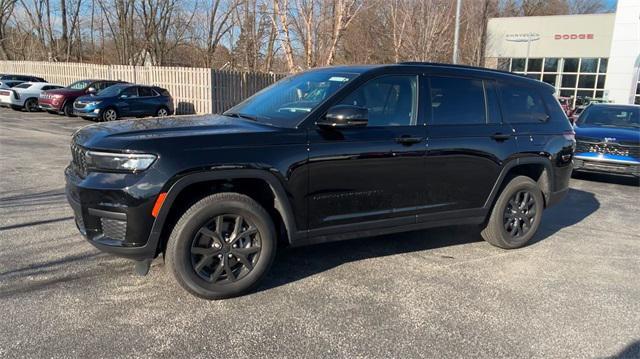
x=631 y=351
x=293 y=264
x=607 y=178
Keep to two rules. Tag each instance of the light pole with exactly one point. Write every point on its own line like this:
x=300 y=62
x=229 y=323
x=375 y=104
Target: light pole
x=456 y=33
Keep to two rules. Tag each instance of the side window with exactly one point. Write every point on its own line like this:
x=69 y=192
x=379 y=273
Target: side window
x=145 y=92
x=457 y=101
x=391 y=100
x=130 y=92
x=522 y=105
x=493 y=106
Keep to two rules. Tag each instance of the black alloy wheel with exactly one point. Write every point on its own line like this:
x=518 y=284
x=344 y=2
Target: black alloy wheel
x=225 y=249
x=519 y=214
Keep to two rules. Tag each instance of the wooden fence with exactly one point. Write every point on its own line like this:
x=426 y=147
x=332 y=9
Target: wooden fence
x=194 y=90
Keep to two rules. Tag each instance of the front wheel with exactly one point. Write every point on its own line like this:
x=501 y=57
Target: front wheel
x=222 y=246
x=516 y=215
x=68 y=109
x=109 y=115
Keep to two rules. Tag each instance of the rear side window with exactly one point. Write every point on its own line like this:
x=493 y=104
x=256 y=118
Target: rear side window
x=457 y=101
x=522 y=104
x=146 y=92
x=22 y=86
x=130 y=92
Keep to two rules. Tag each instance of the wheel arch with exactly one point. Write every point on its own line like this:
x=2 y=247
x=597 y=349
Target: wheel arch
x=537 y=168
x=189 y=188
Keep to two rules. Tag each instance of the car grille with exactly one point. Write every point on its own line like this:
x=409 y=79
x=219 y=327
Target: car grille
x=79 y=159
x=114 y=228
x=608 y=148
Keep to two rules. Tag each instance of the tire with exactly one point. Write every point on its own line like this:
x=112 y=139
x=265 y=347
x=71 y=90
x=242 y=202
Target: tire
x=31 y=105
x=109 y=114
x=516 y=215
x=67 y=110
x=162 y=112
x=207 y=265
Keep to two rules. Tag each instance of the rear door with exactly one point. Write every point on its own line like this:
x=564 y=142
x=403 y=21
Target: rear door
x=148 y=101
x=467 y=144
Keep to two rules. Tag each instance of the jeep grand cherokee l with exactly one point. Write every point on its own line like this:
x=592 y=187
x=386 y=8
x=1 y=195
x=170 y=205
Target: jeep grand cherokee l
x=324 y=155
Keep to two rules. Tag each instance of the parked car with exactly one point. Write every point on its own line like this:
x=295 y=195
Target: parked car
x=7 y=84
x=608 y=139
x=25 y=95
x=323 y=155
x=23 y=78
x=125 y=100
x=61 y=100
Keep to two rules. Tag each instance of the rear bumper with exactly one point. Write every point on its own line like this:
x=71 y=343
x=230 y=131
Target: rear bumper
x=606 y=165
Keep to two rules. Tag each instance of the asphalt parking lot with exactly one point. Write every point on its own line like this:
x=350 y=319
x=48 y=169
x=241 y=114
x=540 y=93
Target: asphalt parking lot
x=575 y=292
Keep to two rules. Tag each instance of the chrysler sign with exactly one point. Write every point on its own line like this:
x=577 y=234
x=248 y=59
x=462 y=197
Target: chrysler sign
x=526 y=37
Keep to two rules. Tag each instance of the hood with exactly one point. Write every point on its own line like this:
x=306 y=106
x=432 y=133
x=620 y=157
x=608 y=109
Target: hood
x=65 y=91
x=144 y=134
x=87 y=98
x=608 y=134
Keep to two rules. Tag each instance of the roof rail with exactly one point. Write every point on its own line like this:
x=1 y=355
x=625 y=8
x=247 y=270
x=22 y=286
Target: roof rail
x=457 y=66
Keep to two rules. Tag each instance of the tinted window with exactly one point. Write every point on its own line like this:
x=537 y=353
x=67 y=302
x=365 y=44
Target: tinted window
x=130 y=92
x=146 y=92
x=521 y=104
x=80 y=85
x=391 y=100
x=457 y=101
x=22 y=86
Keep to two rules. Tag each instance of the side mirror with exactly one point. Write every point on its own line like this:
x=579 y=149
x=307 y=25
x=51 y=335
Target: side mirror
x=92 y=91
x=345 y=116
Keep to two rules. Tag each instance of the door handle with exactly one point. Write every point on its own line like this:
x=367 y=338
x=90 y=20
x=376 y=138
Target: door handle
x=408 y=140
x=500 y=136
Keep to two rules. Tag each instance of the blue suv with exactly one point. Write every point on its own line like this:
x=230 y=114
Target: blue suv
x=124 y=100
x=608 y=139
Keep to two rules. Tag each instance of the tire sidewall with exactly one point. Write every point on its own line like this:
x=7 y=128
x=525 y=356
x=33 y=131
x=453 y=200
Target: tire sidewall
x=180 y=249
x=103 y=117
x=518 y=184
x=29 y=101
x=67 y=109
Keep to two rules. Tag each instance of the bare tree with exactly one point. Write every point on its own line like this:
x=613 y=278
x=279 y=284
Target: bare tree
x=6 y=10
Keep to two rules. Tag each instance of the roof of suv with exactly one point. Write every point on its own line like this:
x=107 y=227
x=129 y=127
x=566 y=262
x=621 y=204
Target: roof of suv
x=434 y=65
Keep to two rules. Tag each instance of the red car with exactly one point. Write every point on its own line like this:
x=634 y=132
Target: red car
x=61 y=100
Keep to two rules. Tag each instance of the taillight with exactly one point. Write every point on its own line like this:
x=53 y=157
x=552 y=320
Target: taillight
x=569 y=135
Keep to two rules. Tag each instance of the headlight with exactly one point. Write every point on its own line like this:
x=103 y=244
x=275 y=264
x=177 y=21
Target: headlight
x=92 y=103
x=134 y=162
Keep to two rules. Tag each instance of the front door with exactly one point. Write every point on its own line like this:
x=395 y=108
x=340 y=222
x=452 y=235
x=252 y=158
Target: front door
x=369 y=173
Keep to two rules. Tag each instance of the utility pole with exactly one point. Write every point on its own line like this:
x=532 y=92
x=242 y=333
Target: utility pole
x=456 y=33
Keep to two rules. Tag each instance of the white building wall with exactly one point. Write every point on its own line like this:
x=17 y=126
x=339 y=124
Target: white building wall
x=624 y=59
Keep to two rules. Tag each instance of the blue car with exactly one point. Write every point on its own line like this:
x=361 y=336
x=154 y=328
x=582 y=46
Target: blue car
x=608 y=139
x=124 y=100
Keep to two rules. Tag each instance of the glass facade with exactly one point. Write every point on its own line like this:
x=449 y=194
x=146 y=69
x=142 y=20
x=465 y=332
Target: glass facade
x=572 y=77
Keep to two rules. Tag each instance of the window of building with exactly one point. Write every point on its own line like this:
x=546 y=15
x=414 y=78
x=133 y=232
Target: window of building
x=572 y=77
x=450 y=94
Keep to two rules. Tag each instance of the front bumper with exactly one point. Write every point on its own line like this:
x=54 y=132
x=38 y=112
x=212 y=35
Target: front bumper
x=92 y=113
x=112 y=212
x=604 y=164
x=44 y=106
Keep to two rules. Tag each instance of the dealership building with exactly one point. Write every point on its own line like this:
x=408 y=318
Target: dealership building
x=596 y=55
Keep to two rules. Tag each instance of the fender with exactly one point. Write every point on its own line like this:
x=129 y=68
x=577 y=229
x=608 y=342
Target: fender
x=511 y=164
x=281 y=201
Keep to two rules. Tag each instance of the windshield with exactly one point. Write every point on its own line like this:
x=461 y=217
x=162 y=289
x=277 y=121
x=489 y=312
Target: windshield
x=289 y=100
x=611 y=116
x=79 y=85
x=111 y=90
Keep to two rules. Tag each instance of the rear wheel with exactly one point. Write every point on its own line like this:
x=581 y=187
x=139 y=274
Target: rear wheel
x=31 y=105
x=516 y=215
x=109 y=114
x=222 y=246
x=162 y=112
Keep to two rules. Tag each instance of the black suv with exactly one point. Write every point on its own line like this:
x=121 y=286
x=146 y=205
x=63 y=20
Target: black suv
x=323 y=155
x=23 y=78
